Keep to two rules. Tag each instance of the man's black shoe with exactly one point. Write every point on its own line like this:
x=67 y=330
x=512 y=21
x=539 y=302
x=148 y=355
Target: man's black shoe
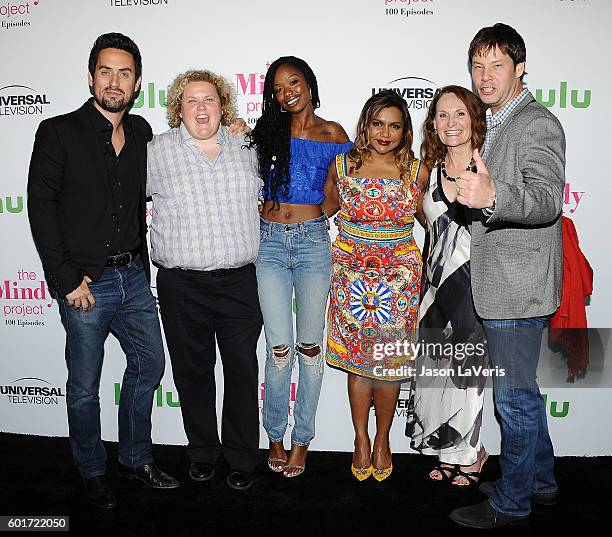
x=540 y=498
x=482 y=516
x=150 y=475
x=201 y=471
x=239 y=480
x=99 y=493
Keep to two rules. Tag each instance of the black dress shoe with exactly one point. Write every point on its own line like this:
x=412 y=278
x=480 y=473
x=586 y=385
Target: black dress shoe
x=150 y=475
x=99 y=493
x=540 y=498
x=239 y=480
x=482 y=516
x=201 y=471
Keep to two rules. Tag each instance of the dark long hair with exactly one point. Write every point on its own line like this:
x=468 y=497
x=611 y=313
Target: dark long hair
x=432 y=149
x=403 y=153
x=272 y=133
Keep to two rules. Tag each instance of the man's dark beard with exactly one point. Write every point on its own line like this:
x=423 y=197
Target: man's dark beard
x=113 y=107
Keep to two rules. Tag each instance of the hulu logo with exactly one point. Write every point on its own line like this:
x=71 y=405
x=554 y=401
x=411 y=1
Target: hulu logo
x=149 y=96
x=575 y=101
x=11 y=205
x=554 y=409
x=158 y=399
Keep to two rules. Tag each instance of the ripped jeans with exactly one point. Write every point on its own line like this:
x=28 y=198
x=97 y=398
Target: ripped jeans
x=293 y=258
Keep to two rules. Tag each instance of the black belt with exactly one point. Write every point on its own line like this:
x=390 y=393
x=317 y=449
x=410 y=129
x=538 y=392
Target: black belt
x=122 y=259
x=217 y=273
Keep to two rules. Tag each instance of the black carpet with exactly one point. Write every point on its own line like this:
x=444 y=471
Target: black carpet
x=37 y=478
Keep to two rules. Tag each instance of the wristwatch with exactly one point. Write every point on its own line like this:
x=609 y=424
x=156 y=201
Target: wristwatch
x=489 y=210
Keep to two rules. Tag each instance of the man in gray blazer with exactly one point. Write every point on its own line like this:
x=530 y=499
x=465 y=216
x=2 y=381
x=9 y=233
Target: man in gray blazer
x=515 y=200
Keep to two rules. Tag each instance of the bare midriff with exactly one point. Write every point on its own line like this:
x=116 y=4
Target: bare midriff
x=289 y=213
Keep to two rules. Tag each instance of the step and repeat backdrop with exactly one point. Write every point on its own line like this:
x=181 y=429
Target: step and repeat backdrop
x=356 y=48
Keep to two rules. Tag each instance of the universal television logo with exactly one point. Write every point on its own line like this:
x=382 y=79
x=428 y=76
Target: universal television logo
x=137 y=3
x=18 y=100
x=416 y=91
x=32 y=391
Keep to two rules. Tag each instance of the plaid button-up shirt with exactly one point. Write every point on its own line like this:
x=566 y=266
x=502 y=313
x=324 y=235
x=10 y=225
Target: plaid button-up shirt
x=205 y=213
x=494 y=121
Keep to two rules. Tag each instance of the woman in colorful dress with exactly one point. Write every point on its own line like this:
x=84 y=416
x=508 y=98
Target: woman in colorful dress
x=445 y=411
x=294 y=149
x=376 y=271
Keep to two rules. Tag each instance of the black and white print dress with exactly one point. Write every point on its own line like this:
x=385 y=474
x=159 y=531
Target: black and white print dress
x=445 y=408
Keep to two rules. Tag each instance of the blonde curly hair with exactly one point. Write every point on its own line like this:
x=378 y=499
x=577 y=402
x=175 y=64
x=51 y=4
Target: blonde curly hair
x=224 y=89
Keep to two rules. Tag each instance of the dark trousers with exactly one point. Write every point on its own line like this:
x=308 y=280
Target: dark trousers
x=195 y=307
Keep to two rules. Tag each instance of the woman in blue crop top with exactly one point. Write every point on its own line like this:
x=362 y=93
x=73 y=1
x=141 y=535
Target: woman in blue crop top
x=294 y=147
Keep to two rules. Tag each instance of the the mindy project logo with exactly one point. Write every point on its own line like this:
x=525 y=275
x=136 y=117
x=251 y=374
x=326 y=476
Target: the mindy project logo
x=15 y=15
x=249 y=91
x=408 y=8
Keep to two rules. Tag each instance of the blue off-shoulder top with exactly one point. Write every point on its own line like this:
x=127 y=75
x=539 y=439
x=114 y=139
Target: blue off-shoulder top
x=308 y=167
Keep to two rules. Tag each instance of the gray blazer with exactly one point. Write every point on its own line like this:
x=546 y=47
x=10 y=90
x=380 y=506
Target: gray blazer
x=516 y=253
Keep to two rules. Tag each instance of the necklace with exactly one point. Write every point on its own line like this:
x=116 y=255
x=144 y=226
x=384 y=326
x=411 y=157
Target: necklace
x=471 y=168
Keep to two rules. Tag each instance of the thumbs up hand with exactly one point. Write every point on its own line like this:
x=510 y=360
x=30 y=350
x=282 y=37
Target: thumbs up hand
x=476 y=190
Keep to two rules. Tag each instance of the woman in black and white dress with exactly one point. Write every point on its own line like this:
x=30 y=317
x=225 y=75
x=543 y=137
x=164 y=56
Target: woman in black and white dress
x=445 y=411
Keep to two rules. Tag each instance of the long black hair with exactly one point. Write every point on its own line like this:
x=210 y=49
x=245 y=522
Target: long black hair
x=272 y=133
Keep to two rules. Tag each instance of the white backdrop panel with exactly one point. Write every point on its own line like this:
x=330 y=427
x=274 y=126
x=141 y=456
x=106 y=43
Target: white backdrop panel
x=353 y=47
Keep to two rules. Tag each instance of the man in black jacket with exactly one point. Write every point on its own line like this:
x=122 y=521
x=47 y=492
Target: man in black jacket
x=86 y=204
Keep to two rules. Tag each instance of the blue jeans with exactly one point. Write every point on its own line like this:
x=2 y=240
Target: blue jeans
x=293 y=258
x=527 y=457
x=125 y=307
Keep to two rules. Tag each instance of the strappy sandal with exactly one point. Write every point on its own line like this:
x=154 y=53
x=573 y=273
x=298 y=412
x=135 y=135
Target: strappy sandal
x=299 y=467
x=448 y=473
x=276 y=464
x=473 y=478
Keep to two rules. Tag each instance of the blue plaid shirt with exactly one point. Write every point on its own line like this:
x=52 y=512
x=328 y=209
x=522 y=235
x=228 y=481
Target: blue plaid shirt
x=494 y=121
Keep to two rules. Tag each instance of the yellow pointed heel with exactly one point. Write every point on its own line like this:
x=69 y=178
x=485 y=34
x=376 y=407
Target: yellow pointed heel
x=382 y=474
x=361 y=473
